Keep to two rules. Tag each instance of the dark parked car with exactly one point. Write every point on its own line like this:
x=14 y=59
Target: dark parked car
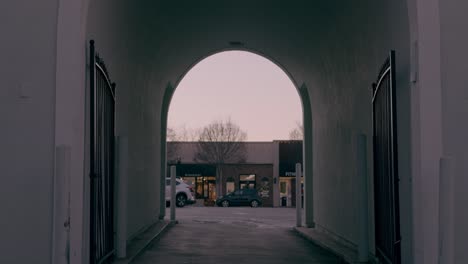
x=240 y=197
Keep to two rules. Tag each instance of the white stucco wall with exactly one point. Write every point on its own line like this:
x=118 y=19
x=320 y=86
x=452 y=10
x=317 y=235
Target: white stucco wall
x=112 y=26
x=27 y=105
x=341 y=101
x=454 y=83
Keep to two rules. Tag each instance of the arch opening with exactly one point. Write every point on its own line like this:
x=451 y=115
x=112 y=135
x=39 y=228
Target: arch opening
x=269 y=185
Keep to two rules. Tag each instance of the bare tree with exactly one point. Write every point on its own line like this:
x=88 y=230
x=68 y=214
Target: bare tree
x=172 y=150
x=174 y=137
x=219 y=143
x=297 y=133
x=187 y=134
x=171 y=134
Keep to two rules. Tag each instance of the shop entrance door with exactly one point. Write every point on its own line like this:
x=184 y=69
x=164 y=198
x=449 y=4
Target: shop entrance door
x=211 y=189
x=205 y=188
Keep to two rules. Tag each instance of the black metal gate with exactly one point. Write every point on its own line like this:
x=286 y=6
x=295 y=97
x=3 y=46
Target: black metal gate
x=387 y=216
x=102 y=101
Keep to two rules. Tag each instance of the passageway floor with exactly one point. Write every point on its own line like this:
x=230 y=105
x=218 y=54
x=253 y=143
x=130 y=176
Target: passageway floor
x=234 y=235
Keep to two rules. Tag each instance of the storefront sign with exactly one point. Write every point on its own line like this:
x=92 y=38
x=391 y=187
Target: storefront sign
x=290 y=153
x=192 y=175
x=195 y=170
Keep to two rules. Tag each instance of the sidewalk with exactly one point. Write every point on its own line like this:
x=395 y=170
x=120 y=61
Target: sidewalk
x=213 y=235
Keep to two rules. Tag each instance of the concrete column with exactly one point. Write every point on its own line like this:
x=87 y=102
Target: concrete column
x=308 y=158
x=308 y=183
x=446 y=211
x=276 y=180
x=426 y=126
x=121 y=169
x=173 y=193
x=162 y=185
x=298 y=195
x=363 y=246
x=163 y=175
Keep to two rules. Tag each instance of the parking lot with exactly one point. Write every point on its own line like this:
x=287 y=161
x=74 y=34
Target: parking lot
x=233 y=235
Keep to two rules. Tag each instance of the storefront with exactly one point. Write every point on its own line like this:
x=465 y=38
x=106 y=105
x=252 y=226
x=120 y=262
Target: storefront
x=202 y=177
x=252 y=176
x=288 y=189
x=204 y=186
x=269 y=169
x=290 y=153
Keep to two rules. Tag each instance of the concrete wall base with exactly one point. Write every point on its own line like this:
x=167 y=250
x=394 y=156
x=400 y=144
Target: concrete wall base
x=347 y=251
x=139 y=243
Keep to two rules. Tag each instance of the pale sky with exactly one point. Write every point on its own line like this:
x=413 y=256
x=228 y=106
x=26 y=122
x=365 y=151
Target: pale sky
x=254 y=92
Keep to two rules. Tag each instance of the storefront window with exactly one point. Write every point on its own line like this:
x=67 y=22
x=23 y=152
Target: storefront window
x=250 y=177
x=199 y=188
x=247 y=181
x=205 y=187
x=283 y=187
x=189 y=180
x=230 y=185
x=212 y=190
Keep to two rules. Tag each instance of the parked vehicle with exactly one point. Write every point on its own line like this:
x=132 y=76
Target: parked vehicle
x=184 y=193
x=247 y=197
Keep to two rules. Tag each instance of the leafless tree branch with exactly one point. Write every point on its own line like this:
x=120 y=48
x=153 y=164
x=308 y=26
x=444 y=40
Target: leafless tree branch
x=219 y=143
x=297 y=133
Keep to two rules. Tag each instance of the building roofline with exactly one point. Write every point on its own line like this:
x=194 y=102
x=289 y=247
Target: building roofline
x=247 y=142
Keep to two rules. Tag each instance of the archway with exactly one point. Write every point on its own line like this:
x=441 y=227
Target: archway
x=306 y=119
x=66 y=72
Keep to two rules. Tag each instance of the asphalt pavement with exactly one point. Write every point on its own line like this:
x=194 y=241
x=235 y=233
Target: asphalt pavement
x=244 y=235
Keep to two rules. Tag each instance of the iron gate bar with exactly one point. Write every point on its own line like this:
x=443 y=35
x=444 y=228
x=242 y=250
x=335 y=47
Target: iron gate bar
x=91 y=110
x=388 y=240
x=102 y=114
x=377 y=86
x=92 y=175
x=110 y=84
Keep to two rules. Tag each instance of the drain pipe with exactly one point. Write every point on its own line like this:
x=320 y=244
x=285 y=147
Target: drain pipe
x=298 y=195
x=173 y=193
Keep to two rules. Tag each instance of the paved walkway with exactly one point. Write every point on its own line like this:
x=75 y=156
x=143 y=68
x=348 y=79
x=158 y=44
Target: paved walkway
x=234 y=235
